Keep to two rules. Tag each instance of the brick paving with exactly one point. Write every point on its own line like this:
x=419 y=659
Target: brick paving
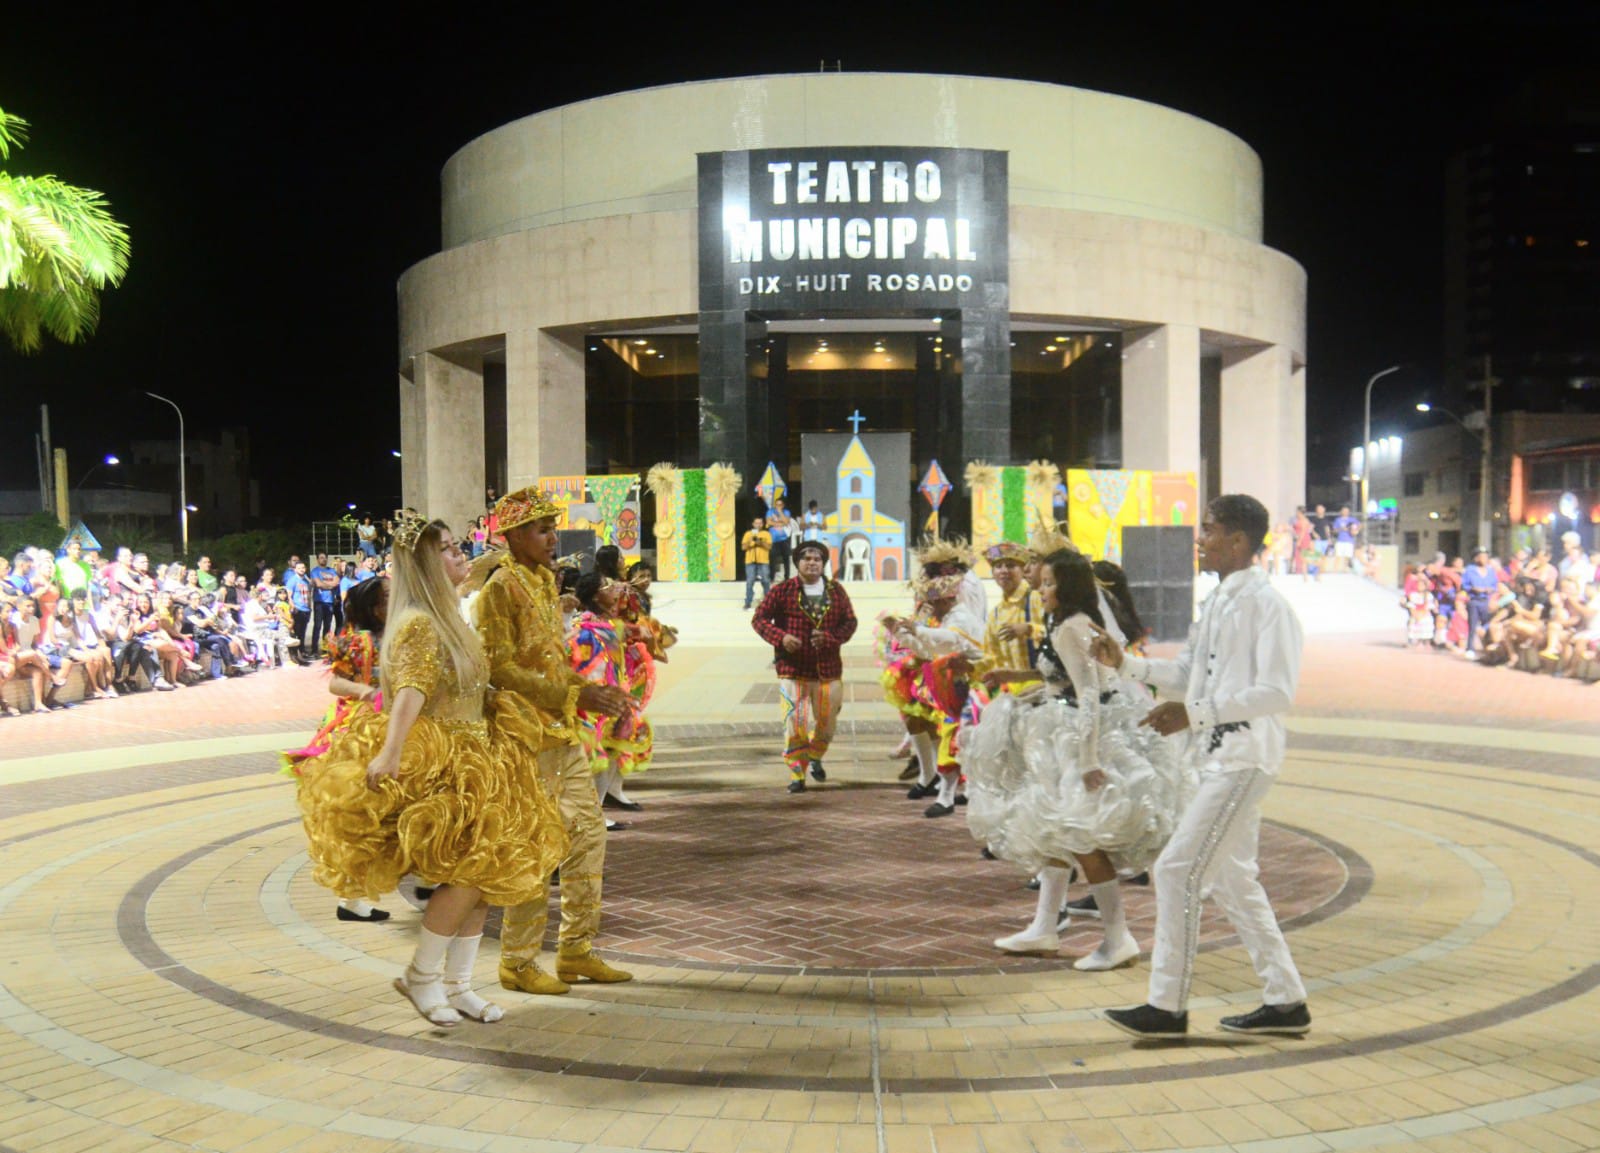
x=813 y=972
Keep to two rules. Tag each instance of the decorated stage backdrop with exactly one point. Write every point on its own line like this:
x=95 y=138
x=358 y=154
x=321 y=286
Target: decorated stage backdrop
x=1101 y=502
x=608 y=506
x=696 y=526
x=862 y=485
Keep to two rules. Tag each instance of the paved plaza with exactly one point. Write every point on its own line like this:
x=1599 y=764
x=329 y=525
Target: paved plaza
x=813 y=973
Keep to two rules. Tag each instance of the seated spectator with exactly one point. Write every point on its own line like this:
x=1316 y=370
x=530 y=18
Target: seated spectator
x=77 y=631
x=139 y=630
x=19 y=658
x=265 y=631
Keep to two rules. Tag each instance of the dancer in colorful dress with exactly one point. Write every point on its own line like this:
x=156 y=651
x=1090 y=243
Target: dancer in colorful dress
x=1061 y=772
x=945 y=647
x=431 y=786
x=807 y=619
x=606 y=650
x=518 y=615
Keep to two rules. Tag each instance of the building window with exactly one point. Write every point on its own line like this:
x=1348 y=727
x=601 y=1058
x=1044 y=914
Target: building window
x=855 y=514
x=1415 y=483
x=855 y=486
x=1474 y=480
x=1546 y=475
x=1413 y=543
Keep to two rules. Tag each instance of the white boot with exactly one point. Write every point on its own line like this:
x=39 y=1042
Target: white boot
x=458 y=962
x=927 y=757
x=1041 y=935
x=1118 y=947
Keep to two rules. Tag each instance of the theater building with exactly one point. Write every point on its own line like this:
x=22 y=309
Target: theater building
x=1006 y=271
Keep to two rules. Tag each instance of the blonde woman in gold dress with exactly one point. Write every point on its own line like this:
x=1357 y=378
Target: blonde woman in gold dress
x=435 y=785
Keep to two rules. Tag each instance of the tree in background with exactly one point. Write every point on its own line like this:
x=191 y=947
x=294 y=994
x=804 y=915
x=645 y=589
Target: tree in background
x=59 y=248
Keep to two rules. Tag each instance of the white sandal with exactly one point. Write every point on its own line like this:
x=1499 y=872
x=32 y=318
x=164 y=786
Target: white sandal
x=434 y=1012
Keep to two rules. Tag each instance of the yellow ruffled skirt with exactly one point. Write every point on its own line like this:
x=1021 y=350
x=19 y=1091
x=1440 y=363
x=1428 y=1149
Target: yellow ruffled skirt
x=466 y=809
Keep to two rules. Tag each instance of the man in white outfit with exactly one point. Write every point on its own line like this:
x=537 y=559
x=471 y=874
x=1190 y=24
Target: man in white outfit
x=1236 y=675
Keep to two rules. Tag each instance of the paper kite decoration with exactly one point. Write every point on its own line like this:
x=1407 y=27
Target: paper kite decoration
x=771 y=486
x=935 y=486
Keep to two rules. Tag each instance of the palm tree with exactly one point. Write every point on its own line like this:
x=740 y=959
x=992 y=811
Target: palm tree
x=59 y=247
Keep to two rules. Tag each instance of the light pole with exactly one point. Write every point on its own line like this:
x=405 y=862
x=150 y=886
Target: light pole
x=1485 y=526
x=183 y=477
x=1366 y=443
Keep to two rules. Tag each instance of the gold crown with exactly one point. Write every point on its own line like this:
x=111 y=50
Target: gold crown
x=408 y=526
x=525 y=506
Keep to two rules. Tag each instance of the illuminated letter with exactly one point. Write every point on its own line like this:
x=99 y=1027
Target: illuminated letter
x=780 y=181
x=780 y=239
x=837 y=190
x=744 y=242
x=833 y=237
x=927 y=182
x=863 y=169
x=936 y=239
x=880 y=237
x=810 y=238
x=805 y=182
x=894 y=182
x=964 y=239
x=904 y=232
x=857 y=239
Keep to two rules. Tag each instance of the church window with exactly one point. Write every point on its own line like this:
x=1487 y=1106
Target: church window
x=855 y=486
x=855 y=513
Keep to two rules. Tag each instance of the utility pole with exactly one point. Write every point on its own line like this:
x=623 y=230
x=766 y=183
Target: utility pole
x=63 y=492
x=1485 y=502
x=47 y=498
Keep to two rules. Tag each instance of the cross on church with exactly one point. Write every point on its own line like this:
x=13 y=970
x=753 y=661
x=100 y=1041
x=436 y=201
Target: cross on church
x=855 y=419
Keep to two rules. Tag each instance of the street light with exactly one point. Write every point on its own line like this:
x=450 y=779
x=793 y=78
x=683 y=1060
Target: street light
x=183 y=476
x=1366 y=439
x=1485 y=527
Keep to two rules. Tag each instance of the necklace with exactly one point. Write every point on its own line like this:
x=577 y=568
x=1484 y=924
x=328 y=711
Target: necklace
x=815 y=608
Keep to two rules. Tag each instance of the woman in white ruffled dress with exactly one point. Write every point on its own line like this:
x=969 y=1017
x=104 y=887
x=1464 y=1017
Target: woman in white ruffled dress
x=1061 y=771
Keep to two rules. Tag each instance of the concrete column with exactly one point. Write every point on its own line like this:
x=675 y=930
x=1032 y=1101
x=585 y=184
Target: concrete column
x=1161 y=399
x=1264 y=427
x=545 y=421
x=441 y=439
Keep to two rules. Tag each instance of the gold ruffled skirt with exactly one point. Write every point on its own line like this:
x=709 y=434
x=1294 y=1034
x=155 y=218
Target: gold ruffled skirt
x=466 y=809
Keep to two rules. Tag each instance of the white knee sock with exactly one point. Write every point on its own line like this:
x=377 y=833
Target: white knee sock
x=947 y=787
x=1108 y=899
x=458 y=962
x=423 y=981
x=1053 y=882
x=927 y=757
x=428 y=961
x=614 y=784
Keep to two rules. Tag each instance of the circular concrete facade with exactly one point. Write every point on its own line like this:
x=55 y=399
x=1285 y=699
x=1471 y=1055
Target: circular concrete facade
x=1124 y=218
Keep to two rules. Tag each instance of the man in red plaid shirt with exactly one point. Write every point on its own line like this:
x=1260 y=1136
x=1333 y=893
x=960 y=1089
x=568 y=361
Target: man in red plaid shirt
x=806 y=619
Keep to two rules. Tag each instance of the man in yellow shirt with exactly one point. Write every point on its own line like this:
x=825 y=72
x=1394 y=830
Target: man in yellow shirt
x=1016 y=624
x=757 y=546
x=518 y=615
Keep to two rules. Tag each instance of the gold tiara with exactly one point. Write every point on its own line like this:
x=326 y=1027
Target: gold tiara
x=408 y=526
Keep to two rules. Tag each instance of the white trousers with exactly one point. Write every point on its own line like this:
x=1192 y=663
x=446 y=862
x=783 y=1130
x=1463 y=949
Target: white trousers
x=1213 y=853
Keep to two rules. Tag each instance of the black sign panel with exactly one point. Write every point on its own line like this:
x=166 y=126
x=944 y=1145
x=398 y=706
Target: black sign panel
x=879 y=229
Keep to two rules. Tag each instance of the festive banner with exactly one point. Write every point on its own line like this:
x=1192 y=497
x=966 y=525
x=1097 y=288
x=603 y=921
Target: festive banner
x=608 y=506
x=1101 y=502
x=694 y=521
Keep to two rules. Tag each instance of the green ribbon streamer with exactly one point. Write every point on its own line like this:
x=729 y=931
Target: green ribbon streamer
x=1013 y=504
x=696 y=562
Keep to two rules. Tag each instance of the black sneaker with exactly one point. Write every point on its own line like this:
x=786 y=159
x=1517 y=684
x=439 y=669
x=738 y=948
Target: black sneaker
x=987 y=854
x=922 y=792
x=962 y=799
x=1082 y=907
x=938 y=810
x=798 y=785
x=1139 y=879
x=818 y=773
x=1290 y=1020
x=1150 y=1023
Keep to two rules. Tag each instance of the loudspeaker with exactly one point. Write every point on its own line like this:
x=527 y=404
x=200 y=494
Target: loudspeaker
x=1159 y=561
x=581 y=541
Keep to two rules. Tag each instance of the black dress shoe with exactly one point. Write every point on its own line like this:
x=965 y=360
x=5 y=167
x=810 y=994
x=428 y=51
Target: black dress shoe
x=1139 y=879
x=818 y=773
x=1289 y=1020
x=911 y=772
x=618 y=826
x=423 y=892
x=962 y=799
x=922 y=792
x=938 y=810
x=798 y=785
x=987 y=854
x=345 y=914
x=1082 y=907
x=1148 y=1022
x=626 y=806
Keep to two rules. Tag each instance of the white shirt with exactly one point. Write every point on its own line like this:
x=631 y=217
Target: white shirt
x=959 y=632
x=1236 y=675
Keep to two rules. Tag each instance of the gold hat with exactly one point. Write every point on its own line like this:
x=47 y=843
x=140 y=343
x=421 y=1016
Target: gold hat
x=524 y=506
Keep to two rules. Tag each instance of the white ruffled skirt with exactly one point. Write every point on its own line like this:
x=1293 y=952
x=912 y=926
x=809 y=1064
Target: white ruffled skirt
x=1026 y=797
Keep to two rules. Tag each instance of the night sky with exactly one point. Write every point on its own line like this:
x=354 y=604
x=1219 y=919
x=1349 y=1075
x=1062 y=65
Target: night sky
x=277 y=178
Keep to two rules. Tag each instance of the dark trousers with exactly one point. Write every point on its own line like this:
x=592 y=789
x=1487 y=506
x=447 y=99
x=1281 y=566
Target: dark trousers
x=780 y=557
x=133 y=657
x=326 y=623
x=302 y=628
x=1477 y=617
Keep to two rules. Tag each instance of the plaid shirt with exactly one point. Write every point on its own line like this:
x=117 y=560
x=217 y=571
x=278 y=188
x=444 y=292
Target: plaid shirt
x=781 y=612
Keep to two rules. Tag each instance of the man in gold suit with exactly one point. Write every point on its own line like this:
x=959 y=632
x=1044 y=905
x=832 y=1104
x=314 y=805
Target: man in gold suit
x=519 y=617
x=1016 y=624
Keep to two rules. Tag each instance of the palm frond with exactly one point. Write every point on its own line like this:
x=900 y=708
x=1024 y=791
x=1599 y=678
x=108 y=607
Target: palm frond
x=13 y=130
